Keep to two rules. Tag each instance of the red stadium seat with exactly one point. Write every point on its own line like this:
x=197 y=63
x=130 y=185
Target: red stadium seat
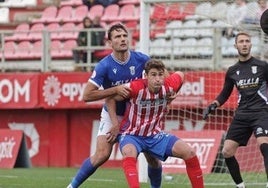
x=36 y=32
x=67 y=31
x=67 y=48
x=174 y=12
x=110 y=13
x=36 y=51
x=188 y=10
x=9 y=50
x=23 y=50
x=79 y=13
x=20 y=33
x=127 y=12
x=55 y=48
x=158 y=12
x=95 y=10
x=53 y=28
x=48 y=15
x=64 y=14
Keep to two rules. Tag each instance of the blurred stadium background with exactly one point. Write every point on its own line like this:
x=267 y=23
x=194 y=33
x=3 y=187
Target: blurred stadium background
x=37 y=38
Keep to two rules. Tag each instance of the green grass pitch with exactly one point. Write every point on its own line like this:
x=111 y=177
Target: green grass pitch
x=103 y=178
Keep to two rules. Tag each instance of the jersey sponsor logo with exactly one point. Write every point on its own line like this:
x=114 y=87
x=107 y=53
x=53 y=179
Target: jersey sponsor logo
x=245 y=83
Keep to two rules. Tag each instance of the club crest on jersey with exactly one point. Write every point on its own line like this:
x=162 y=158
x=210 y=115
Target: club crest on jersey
x=114 y=70
x=254 y=69
x=238 y=72
x=132 y=70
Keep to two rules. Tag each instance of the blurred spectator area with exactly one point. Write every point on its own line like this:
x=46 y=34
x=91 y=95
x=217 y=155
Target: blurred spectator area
x=25 y=24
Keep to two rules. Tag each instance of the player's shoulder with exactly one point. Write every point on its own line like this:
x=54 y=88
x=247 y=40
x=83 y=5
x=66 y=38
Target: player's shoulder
x=139 y=55
x=138 y=84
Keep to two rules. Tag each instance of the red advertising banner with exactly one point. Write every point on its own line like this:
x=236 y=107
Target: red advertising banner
x=206 y=145
x=10 y=142
x=64 y=90
x=19 y=91
x=200 y=88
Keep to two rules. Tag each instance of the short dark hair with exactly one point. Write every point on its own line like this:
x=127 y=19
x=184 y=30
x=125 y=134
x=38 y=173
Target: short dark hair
x=116 y=27
x=154 y=63
x=241 y=33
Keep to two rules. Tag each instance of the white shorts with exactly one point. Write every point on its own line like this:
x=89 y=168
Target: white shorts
x=105 y=122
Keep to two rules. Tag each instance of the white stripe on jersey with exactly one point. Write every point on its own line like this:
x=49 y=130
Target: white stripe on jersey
x=146 y=112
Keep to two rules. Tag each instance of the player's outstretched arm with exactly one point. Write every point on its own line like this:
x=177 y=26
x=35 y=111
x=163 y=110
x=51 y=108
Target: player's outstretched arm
x=93 y=93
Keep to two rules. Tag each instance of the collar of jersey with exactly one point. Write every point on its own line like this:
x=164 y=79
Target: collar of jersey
x=121 y=62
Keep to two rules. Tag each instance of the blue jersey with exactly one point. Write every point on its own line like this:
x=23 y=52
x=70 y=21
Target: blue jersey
x=109 y=72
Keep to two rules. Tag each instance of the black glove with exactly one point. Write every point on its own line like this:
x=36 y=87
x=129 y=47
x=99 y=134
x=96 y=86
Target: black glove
x=212 y=107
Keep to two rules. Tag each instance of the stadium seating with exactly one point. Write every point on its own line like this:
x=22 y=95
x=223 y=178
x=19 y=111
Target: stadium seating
x=189 y=47
x=9 y=49
x=55 y=47
x=49 y=14
x=36 y=51
x=53 y=28
x=218 y=11
x=188 y=10
x=67 y=31
x=204 y=47
x=202 y=11
x=79 y=14
x=158 y=12
x=177 y=49
x=204 y=28
x=23 y=50
x=174 y=12
x=189 y=28
x=64 y=14
x=96 y=10
x=67 y=47
x=20 y=33
x=172 y=28
x=158 y=28
x=127 y=13
x=110 y=13
x=35 y=32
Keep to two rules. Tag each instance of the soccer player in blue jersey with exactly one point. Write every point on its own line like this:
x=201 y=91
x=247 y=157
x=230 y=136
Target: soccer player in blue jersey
x=121 y=66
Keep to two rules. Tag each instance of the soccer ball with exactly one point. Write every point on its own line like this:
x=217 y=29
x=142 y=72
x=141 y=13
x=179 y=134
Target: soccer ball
x=264 y=21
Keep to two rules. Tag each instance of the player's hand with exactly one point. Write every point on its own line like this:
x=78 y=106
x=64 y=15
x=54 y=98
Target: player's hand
x=171 y=96
x=212 y=107
x=112 y=134
x=123 y=90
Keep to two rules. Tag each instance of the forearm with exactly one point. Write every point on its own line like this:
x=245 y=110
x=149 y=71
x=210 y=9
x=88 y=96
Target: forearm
x=94 y=95
x=111 y=106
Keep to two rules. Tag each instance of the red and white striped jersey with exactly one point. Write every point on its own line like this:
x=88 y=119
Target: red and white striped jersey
x=145 y=110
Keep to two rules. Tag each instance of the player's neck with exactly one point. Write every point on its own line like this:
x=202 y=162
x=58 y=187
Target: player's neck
x=244 y=58
x=121 y=56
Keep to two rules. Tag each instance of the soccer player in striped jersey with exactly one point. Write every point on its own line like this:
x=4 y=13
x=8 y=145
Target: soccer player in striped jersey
x=141 y=128
x=120 y=67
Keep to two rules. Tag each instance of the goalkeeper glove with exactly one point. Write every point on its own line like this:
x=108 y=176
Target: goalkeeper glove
x=212 y=107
